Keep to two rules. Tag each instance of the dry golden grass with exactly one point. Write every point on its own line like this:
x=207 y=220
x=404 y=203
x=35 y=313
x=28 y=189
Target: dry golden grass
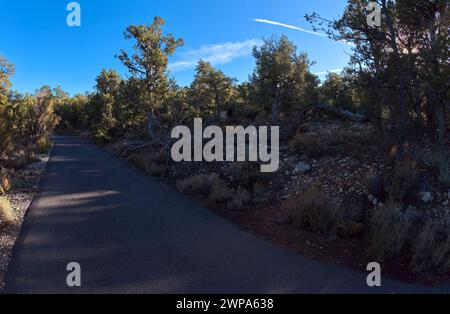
x=153 y=163
x=5 y=184
x=6 y=212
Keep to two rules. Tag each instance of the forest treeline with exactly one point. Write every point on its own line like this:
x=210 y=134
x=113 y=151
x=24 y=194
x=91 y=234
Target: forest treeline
x=398 y=77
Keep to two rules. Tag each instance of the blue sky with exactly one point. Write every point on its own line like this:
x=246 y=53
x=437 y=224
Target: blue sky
x=35 y=37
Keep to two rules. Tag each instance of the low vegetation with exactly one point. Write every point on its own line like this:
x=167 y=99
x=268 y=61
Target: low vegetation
x=312 y=210
x=397 y=81
x=387 y=233
x=6 y=211
x=153 y=163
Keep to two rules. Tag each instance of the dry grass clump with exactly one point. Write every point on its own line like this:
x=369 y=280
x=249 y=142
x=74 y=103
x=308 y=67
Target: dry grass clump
x=438 y=164
x=5 y=184
x=220 y=193
x=6 y=211
x=215 y=190
x=308 y=145
x=349 y=229
x=22 y=159
x=43 y=144
x=387 y=232
x=312 y=210
x=259 y=192
x=200 y=184
x=153 y=163
x=431 y=249
x=246 y=174
x=240 y=200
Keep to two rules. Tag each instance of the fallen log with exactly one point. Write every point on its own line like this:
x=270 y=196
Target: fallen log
x=339 y=112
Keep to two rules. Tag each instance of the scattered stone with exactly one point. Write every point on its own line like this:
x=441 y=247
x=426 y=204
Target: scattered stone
x=302 y=167
x=426 y=197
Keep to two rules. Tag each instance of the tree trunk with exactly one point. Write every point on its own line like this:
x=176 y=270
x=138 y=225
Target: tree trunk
x=398 y=68
x=275 y=110
x=151 y=124
x=218 y=105
x=441 y=123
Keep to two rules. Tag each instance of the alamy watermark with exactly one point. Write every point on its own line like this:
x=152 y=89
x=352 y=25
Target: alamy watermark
x=74 y=17
x=374 y=14
x=374 y=277
x=73 y=279
x=237 y=144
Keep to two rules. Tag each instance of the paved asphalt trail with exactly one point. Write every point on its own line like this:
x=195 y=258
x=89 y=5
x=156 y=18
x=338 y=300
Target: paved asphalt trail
x=133 y=234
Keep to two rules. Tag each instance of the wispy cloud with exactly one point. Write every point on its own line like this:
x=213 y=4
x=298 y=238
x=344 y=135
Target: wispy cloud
x=217 y=54
x=290 y=27
x=298 y=29
x=329 y=71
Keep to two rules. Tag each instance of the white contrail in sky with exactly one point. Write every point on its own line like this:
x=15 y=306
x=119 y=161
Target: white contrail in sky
x=298 y=29
x=329 y=71
x=290 y=26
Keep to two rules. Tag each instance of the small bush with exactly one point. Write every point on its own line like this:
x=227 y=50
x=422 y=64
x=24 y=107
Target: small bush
x=240 y=199
x=259 y=192
x=246 y=174
x=6 y=212
x=153 y=163
x=311 y=210
x=376 y=186
x=5 y=184
x=387 y=232
x=220 y=193
x=22 y=160
x=200 y=184
x=406 y=181
x=43 y=144
x=100 y=135
x=438 y=163
x=308 y=145
x=431 y=250
x=349 y=229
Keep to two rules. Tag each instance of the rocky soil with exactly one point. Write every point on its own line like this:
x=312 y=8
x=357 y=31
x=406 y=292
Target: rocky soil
x=25 y=184
x=353 y=154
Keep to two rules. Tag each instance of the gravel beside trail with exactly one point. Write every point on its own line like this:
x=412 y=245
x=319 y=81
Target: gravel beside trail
x=25 y=185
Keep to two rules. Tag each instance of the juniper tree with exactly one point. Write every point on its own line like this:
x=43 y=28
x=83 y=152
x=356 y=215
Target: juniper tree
x=149 y=63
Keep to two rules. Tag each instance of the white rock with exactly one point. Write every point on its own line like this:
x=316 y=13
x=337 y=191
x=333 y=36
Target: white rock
x=302 y=167
x=426 y=197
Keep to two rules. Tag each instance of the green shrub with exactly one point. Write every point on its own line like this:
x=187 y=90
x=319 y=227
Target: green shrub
x=312 y=210
x=100 y=135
